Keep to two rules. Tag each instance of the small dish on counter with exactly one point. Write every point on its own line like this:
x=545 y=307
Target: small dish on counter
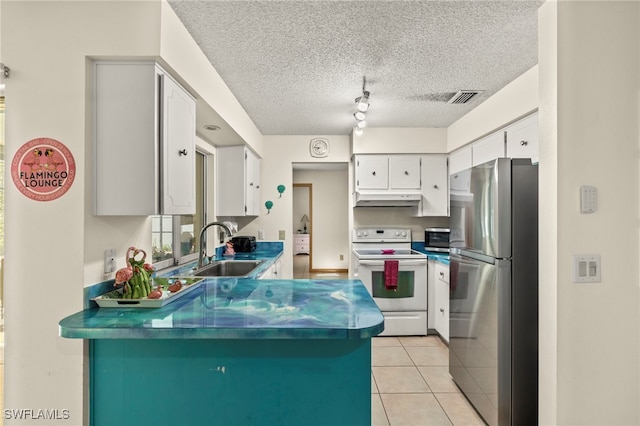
x=114 y=299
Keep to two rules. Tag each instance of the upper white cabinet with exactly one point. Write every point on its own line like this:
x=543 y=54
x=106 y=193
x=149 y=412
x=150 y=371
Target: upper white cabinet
x=404 y=172
x=435 y=186
x=379 y=172
x=518 y=140
x=488 y=148
x=522 y=139
x=238 y=175
x=144 y=144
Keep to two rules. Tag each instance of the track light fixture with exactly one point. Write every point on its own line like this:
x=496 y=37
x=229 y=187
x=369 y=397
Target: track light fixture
x=362 y=102
x=362 y=106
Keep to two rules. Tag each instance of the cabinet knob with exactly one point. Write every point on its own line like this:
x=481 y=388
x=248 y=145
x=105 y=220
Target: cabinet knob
x=435 y=186
x=406 y=173
x=251 y=184
x=373 y=173
x=182 y=152
x=442 y=274
x=442 y=310
x=524 y=143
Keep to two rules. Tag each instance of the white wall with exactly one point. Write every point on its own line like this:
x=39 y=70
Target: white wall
x=46 y=246
x=277 y=169
x=514 y=101
x=53 y=249
x=330 y=216
x=400 y=140
x=594 y=349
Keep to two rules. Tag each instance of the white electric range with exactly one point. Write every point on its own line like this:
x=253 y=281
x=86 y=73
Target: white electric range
x=403 y=302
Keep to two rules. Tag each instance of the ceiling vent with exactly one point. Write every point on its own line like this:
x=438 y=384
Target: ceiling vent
x=463 y=96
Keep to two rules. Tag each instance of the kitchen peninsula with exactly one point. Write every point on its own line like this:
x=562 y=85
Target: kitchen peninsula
x=234 y=352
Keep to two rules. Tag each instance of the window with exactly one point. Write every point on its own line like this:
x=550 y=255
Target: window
x=175 y=239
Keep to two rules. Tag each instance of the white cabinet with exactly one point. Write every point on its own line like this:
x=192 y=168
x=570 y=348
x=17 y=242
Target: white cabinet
x=382 y=172
x=238 y=188
x=144 y=141
x=274 y=271
x=522 y=138
x=441 y=291
x=488 y=148
x=404 y=172
x=435 y=186
x=459 y=160
x=301 y=243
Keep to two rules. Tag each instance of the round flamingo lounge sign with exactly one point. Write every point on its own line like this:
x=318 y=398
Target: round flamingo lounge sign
x=43 y=169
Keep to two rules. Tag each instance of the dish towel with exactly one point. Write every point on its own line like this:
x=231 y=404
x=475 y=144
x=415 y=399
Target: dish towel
x=391 y=274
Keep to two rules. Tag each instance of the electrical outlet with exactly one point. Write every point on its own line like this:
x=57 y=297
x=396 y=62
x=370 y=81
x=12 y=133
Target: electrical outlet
x=281 y=234
x=261 y=234
x=109 y=261
x=342 y=257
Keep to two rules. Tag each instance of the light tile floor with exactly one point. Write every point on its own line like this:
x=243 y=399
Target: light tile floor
x=411 y=385
x=410 y=381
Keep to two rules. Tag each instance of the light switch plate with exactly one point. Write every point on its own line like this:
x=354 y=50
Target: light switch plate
x=588 y=199
x=281 y=234
x=586 y=268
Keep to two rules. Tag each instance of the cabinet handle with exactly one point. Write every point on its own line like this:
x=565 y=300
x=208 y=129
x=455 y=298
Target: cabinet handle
x=524 y=143
x=182 y=152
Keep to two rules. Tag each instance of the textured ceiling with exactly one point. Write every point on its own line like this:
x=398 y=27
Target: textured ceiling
x=297 y=66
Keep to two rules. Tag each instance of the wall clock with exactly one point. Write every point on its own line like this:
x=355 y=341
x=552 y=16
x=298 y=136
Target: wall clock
x=319 y=147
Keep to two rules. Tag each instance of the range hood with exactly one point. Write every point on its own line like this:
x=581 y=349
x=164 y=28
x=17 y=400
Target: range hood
x=387 y=199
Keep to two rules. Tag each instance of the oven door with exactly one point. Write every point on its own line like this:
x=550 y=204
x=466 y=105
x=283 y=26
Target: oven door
x=411 y=292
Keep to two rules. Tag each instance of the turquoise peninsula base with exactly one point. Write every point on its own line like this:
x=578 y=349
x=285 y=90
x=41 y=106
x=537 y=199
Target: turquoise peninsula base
x=230 y=382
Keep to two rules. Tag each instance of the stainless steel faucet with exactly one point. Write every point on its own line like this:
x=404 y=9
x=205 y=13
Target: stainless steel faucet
x=202 y=231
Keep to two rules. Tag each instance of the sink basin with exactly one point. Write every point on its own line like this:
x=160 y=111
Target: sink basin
x=229 y=268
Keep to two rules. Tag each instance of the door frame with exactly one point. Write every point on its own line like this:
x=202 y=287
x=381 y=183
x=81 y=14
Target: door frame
x=310 y=226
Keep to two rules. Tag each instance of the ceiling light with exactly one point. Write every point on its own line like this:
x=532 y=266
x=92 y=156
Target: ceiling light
x=358 y=131
x=211 y=127
x=363 y=102
x=361 y=124
x=359 y=115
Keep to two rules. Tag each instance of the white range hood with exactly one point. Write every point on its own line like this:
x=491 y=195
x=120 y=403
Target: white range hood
x=387 y=199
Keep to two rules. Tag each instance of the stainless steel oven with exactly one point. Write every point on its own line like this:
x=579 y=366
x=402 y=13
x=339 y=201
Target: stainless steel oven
x=401 y=295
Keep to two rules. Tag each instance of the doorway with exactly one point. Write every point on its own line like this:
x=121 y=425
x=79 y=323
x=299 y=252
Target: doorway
x=302 y=229
x=327 y=203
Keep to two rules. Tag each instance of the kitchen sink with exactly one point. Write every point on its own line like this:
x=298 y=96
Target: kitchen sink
x=228 y=268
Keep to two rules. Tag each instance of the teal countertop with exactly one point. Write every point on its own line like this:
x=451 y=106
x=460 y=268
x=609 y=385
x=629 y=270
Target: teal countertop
x=437 y=256
x=232 y=308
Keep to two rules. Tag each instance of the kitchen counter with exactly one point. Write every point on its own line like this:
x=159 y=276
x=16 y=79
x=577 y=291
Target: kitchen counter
x=232 y=308
x=237 y=351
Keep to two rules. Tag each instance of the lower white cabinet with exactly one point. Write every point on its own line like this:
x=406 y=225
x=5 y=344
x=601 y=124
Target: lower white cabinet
x=274 y=271
x=441 y=293
x=301 y=243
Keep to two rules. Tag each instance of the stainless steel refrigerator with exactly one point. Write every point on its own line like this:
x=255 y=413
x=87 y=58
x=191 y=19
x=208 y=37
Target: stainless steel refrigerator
x=493 y=302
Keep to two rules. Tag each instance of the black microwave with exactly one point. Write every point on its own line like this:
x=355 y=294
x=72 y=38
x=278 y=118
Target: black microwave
x=436 y=239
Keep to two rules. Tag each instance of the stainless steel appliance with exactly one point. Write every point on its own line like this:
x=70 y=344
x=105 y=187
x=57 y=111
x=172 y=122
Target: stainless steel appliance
x=436 y=239
x=493 y=323
x=404 y=305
